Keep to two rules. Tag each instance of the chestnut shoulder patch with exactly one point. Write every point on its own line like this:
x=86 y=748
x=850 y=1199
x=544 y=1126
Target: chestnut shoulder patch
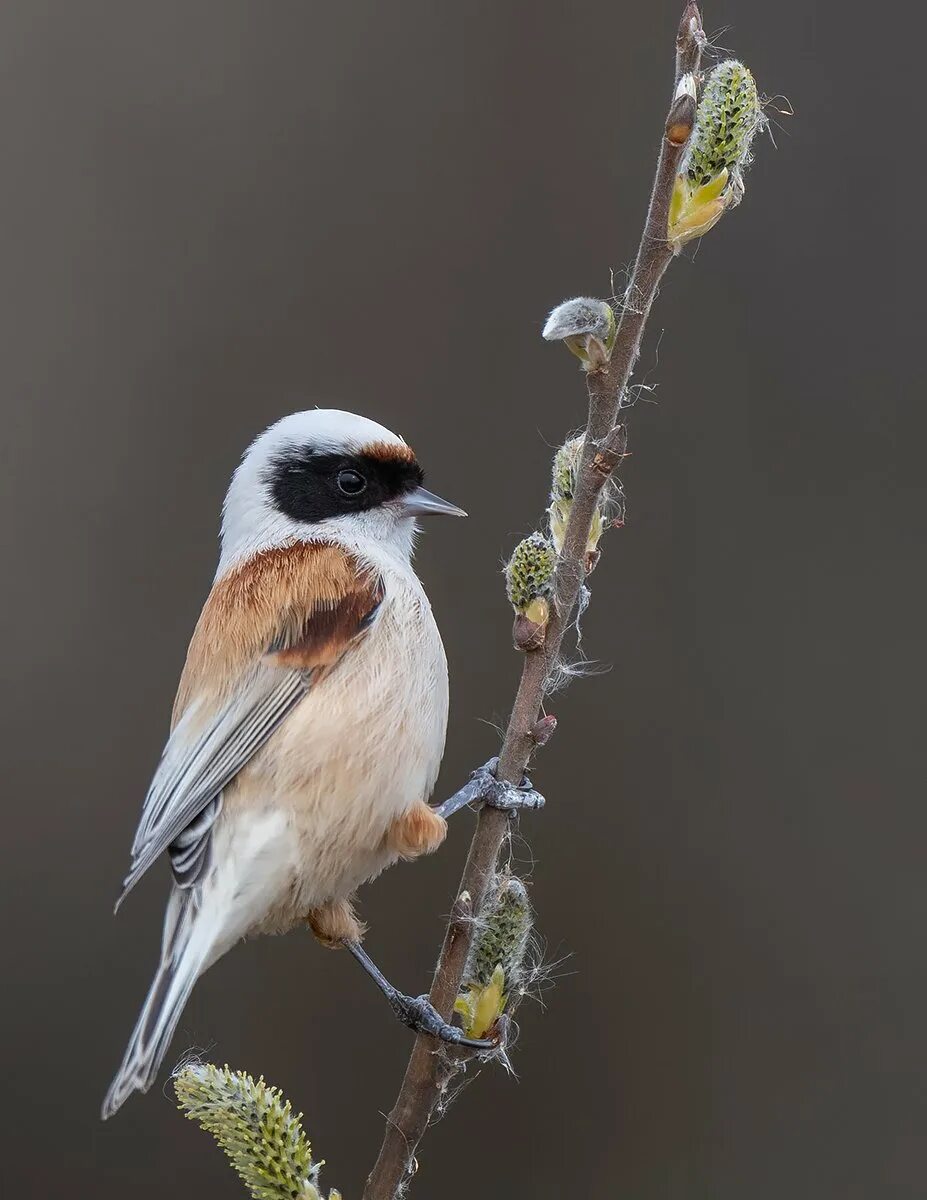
x=299 y=606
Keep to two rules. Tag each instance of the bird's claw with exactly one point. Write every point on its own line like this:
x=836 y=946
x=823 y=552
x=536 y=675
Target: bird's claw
x=484 y=788
x=418 y=1013
x=506 y=797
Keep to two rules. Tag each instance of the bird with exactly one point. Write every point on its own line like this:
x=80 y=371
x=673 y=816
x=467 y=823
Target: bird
x=310 y=718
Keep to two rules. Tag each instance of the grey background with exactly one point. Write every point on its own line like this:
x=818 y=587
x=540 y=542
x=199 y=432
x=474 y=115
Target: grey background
x=216 y=212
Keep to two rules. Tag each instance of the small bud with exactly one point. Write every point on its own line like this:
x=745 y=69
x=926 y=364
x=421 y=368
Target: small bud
x=678 y=132
x=544 y=729
x=495 y=965
x=682 y=113
x=528 y=634
x=587 y=328
x=529 y=577
x=256 y=1128
x=463 y=907
x=690 y=40
x=711 y=179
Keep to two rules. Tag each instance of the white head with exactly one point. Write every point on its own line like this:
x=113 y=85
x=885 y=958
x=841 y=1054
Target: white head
x=326 y=475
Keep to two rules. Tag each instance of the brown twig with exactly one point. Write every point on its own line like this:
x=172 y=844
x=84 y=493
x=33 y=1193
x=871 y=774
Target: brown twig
x=429 y=1068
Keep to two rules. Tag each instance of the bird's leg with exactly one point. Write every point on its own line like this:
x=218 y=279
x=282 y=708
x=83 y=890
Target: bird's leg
x=416 y=1011
x=483 y=787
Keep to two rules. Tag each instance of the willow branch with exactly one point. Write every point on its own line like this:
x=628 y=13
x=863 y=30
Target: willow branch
x=428 y=1069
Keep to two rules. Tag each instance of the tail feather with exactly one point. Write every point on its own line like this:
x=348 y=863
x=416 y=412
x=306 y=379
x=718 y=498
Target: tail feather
x=184 y=956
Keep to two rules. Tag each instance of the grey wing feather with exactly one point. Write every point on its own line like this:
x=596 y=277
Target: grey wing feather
x=185 y=796
x=191 y=850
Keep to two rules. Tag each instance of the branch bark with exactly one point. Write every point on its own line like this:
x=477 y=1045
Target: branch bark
x=429 y=1068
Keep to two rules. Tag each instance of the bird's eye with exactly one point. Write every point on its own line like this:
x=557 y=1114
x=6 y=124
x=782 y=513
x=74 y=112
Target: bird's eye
x=351 y=483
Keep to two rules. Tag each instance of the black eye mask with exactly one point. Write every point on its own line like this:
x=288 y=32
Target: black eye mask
x=310 y=486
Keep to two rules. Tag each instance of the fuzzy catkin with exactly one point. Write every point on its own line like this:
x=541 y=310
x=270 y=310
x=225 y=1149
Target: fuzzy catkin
x=582 y=316
x=262 y=1137
x=728 y=116
x=503 y=936
x=566 y=466
x=495 y=969
x=529 y=573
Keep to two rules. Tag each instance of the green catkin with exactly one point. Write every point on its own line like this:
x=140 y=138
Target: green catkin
x=562 y=488
x=262 y=1137
x=495 y=966
x=728 y=116
x=711 y=179
x=529 y=573
x=566 y=463
x=503 y=935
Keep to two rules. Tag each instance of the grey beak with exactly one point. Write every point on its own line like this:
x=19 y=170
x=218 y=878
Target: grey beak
x=426 y=504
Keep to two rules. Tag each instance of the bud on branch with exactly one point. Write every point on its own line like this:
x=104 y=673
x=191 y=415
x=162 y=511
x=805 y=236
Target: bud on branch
x=529 y=577
x=495 y=965
x=711 y=179
x=586 y=327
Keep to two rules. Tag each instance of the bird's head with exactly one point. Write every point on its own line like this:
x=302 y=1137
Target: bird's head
x=326 y=475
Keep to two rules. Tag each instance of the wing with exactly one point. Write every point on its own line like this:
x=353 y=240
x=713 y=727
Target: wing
x=268 y=633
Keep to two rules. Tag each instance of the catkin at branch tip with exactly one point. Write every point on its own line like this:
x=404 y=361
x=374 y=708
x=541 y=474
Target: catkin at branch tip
x=727 y=118
x=710 y=180
x=262 y=1137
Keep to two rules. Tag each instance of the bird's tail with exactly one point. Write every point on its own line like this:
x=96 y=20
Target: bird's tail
x=185 y=953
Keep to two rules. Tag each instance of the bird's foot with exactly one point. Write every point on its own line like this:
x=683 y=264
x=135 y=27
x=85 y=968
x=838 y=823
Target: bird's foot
x=418 y=1013
x=484 y=787
x=504 y=796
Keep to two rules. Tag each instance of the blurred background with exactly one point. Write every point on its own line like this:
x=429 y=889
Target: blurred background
x=216 y=212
